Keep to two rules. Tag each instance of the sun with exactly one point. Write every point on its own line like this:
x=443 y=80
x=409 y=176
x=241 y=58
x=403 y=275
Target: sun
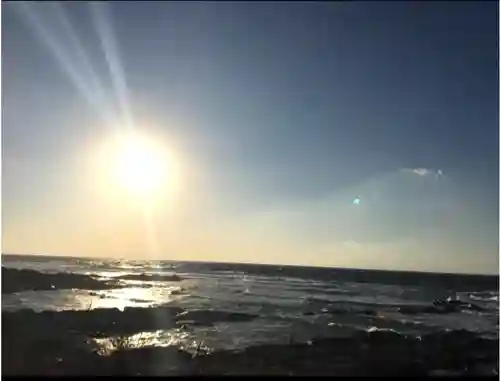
x=134 y=167
x=140 y=166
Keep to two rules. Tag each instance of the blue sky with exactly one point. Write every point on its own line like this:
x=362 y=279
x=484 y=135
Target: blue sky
x=281 y=114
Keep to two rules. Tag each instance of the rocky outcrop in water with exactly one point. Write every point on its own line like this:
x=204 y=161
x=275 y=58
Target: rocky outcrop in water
x=15 y=280
x=152 y=277
x=104 y=322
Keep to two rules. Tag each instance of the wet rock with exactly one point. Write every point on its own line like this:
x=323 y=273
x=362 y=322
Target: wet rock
x=385 y=353
x=109 y=321
x=178 y=292
x=14 y=280
x=151 y=277
x=57 y=343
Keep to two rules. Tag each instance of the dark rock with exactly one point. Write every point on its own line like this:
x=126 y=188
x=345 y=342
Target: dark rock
x=14 y=280
x=57 y=343
x=152 y=277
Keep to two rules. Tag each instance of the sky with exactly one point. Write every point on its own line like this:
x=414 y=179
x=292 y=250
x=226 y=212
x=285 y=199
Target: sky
x=343 y=134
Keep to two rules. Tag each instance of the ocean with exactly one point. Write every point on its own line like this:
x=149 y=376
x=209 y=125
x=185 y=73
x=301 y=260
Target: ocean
x=232 y=308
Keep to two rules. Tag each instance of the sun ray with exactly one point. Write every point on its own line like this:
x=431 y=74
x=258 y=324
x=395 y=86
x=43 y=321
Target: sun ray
x=140 y=169
x=83 y=58
x=151 y=233
x=102 y=21
x=62 y=55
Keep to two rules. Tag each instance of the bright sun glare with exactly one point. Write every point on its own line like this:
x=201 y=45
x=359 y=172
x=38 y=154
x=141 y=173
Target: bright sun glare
x=140 y=166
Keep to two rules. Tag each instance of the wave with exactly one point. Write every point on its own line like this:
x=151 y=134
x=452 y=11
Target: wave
x=438 y=306
x=487 y=296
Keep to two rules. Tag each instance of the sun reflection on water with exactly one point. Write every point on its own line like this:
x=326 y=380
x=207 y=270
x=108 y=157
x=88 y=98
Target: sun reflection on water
x=128 y=297
x=161 y=338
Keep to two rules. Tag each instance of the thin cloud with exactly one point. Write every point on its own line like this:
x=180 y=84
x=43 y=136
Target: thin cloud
x=425 y=171
x=421 y=171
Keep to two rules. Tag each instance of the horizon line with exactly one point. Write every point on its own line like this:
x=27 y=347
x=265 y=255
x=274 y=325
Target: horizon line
x=326 y=267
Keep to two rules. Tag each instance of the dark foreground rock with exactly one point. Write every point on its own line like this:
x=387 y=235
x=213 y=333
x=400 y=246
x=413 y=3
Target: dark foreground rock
x=50 y=343
x=338 y=357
